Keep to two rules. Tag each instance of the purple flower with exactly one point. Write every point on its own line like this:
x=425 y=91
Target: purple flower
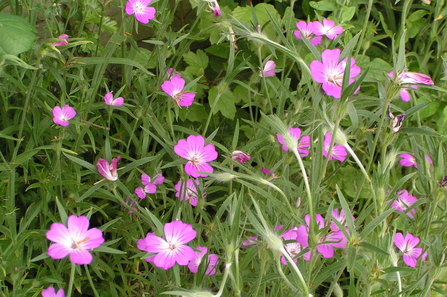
x=63 y=41
x=75 y=240
x=172 y=249
x=108 y=98
x=189 y=193
x=240 y=156
x=403 y=201
x=174 y=88
x=250 y=241
x=61 y=116
x=108 y=170
x=327 y=28
x=197 y=153
x=50 y=292
x=330 y=71
x=296 y=134
x=215 y=8
x=269 y=69
x=143 y=12
x=194 y=263
x=408 y=245
x=150 y=185
x=338 y=152
x=410 y=78
x=293 y=248
x=308 y=32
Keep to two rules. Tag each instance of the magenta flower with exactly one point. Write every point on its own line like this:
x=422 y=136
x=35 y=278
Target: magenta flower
x=341 y=218
x=266 y=171
x=408 y=160
x=197 y=153
x=293 y=248
x=190 y=193
x=174 y=88
x=108 y=170
x=411 y=78
x=338 y=152
x=63 y=41
x=172 y=249
x=240 y=156
x=108 y=98
x=303 y=143
x=269 y=69
x=212 y=262
x=75 y=240
x=150 y=185
x=61 y=116
x=215 y=8
x=50 y=292
x=327 y=28
x=330 y=71
x=404 y=201
x=408 y=245
x=308 y=32
x=143 y=12
x=250 y=241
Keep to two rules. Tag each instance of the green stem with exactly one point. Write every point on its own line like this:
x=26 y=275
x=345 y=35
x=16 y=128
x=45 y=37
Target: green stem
x=224 y=280
x=70 y=283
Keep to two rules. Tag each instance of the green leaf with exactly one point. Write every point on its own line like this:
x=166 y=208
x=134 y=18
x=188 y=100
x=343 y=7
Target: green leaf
x=197 y=62
x=325 y=5
x=225 y=102
x=17 y=35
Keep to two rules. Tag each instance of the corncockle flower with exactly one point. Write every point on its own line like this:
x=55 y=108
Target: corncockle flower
x=64 y=41
x=194 y=263
x=150 y=185
x=143 y=12
x=396 y=121
x=403 y=201
x=338 y=152
x=410 y=78
x=108 y=98
x=327 y=28
x=252 y=240
x=408 y=160
x=408 y=245
x=108 y=170
x=330 y=71
x=197 y=153
x=51 y=292
x=174 y=88
x=327 y=242
x=61 y=116
x=340 y=217
x=308 y=32
x=293 y=248
x=296 y=134
x=269 y=69
x=189 y=193
x=215 y=8
x=75 y=240
x=240 y=156
x=172 y=249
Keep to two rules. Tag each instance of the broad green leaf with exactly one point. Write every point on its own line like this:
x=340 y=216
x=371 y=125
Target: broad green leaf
x=325 y=5
x=225 y=102
x=17 y=35
x=197 y=62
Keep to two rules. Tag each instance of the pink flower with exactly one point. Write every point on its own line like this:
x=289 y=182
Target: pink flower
x=143 y=12
x=197 y=153
x=64 y=41
x=240 y=156
x=269 y=69
x=61 y=116
x=408 y=245
x=330 y=71
x=340 y=217
x=410 y=78
x=308 y=32
x=327 y=242
x=327 y=28
x=215 y=8
x=338 y=152
x=194 y=263
x=293 y=248
x=108 y=98
x=250 y=241
x=296 y=134
x=150 y=185
x=50 y=292
x=266 y=171
x=190 y=193
x=407 y=160
x=174 y=88
x=403 y=201
x=75 y=240
x=108 y=170
x=172 y=249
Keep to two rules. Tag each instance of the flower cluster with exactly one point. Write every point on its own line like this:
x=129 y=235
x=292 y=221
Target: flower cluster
x=314 y=31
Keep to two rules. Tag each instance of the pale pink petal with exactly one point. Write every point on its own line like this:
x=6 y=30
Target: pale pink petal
x=150 y=188
x=140 y=193
x=58 y=251
x=81 y=257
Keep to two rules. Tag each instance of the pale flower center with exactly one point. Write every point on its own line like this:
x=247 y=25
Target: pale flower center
x=138 y=7
x=77 y=245
x=196 y=159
